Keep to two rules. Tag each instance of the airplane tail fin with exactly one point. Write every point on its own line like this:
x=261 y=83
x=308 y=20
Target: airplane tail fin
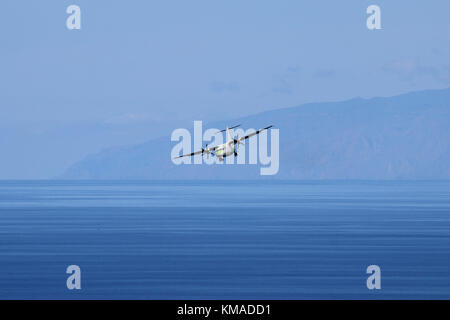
x=229 y=137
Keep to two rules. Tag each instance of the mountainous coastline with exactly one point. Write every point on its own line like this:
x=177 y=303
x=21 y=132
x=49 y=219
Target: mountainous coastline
x=401 y=137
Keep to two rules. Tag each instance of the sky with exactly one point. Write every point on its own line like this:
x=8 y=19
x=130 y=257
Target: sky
x=137 y=70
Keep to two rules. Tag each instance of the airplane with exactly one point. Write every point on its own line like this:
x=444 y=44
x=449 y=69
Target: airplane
x=226 y=149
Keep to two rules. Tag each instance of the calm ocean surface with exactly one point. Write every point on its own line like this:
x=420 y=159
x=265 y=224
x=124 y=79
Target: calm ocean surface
x=224 y=240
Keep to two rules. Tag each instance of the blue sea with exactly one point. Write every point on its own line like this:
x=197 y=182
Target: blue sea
x=224 y=240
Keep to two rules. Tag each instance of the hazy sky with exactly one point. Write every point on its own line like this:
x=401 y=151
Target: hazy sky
x=139 y=69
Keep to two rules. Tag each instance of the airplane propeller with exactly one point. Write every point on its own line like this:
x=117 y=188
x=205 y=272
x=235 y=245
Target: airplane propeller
x=237 y=142
x=207 y=151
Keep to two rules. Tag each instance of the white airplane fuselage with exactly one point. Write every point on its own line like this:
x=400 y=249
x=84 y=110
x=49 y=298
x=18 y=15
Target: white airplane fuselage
x=225 y=150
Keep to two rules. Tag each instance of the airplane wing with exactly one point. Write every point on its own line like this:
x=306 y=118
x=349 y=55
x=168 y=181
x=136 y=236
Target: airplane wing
x=197 y=152
x=254 y=133
x=190 y=154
